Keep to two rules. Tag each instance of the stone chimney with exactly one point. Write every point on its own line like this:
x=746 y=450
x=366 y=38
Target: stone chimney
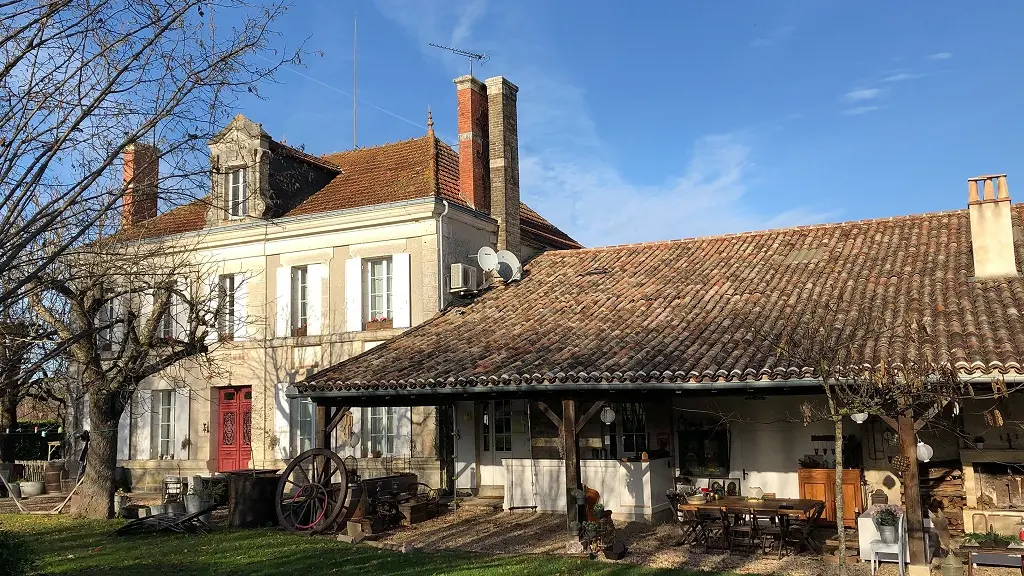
x=141 y=166
x=991 y=227
x=503 y=135
x=474 y=172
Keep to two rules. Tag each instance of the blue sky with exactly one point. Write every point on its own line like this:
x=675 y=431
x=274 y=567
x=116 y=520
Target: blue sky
x=648 y=121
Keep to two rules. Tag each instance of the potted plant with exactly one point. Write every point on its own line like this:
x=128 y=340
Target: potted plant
x=121 y=501
x=380 y=322
x=979 y=442
x=203 y=496
x=887 y=519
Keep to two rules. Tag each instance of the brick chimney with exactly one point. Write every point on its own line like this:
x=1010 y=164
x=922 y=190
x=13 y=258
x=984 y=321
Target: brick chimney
x=503 y=136
x=474 y=172
x=141 y=165
x=991 y=227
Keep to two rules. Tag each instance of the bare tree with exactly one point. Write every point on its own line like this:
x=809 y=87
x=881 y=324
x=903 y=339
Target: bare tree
x=128 y=311
x=82 y=80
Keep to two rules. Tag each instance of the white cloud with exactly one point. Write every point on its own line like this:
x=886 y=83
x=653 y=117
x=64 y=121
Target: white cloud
x=862 y=94
x=470 y=16
x=774 y=37
x=902 y=76
x=940 y=56
x=858 y=110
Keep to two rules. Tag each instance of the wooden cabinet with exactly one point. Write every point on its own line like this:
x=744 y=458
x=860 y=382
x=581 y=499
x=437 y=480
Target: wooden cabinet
x=820 y=484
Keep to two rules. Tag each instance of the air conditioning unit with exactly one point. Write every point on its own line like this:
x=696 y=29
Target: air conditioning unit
x=463 y=278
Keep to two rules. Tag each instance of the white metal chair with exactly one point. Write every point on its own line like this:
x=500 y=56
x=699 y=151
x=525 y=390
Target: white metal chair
x=899 y=548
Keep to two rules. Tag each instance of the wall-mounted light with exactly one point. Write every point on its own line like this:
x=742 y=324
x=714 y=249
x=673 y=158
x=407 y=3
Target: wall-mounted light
x=607 y=415
x=859 y=417
x=924 y=451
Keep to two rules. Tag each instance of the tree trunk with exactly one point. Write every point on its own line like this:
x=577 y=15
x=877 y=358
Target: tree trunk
x=837 y=419
x=95 y=496
x=8 y=424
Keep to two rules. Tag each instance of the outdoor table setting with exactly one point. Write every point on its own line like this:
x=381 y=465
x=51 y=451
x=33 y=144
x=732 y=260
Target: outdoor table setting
x=788 y=508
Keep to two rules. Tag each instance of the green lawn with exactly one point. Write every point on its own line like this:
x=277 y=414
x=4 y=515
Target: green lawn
x=69 y=546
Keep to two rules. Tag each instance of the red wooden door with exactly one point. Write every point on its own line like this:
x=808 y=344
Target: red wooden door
x=234 y=410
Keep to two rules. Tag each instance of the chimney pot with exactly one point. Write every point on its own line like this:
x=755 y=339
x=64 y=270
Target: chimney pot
x=141 y=173
x=991 y=228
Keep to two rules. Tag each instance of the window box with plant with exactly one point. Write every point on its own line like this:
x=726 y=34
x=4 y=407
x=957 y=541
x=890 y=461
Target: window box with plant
x=379 y=323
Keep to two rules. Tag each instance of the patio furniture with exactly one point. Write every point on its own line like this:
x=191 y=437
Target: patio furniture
x=690 y=525
x=773 y=531
x=715 y=526
x=744 y=527
x=898 y=548
x=799 y=531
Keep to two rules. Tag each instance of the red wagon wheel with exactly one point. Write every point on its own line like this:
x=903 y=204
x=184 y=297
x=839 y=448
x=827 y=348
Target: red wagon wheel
x=312 y=491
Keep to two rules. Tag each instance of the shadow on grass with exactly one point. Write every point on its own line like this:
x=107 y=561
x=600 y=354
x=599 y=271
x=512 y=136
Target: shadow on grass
x=81 y=547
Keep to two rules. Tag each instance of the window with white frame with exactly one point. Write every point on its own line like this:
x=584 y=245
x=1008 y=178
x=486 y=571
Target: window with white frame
x=238 y=205
x=226 y=307
x=164 y=417
x=300 y=300
x=632 y=419
x=303 y=424
x=378 y=291
x=382 y=430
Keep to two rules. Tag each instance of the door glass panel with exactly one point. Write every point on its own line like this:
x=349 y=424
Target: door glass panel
x=229 y=396
x=503 y=426
x=247 y=428
x=228 y=424
x=247 y=395
x=486 y=433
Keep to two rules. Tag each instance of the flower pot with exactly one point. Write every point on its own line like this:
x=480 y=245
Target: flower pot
x=15 y=491
x=176 y=508
x=194 y=503
x=32 y=489
x=887 y=534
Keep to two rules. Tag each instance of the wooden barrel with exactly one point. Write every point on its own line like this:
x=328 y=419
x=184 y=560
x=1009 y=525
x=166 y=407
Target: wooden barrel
x=52 y=481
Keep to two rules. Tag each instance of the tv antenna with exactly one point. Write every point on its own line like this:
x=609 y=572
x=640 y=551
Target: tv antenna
x=481 y=58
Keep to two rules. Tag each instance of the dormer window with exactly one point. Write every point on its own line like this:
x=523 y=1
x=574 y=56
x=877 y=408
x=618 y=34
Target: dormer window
x=237 y=204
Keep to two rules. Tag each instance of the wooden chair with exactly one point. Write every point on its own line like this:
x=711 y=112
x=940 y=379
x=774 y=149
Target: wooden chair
x=798 y=530
x=773 y=533
x=689 y=523
x=744 y=527
x=715 y=525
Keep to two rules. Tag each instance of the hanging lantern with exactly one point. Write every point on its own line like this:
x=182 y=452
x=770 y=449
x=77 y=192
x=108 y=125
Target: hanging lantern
x=859 y=417
x=607 y=415
x=924 y=452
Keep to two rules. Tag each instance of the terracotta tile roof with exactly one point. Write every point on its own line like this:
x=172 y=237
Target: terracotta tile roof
x=416 y=168
x=686 y=311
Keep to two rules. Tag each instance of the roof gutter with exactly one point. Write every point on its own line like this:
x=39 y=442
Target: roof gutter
x=505 y=389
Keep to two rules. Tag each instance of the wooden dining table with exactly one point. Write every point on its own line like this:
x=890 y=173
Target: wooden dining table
x=804 y=507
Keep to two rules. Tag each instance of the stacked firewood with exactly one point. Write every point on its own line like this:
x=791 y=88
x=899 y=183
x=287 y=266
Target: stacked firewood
x=942 y=488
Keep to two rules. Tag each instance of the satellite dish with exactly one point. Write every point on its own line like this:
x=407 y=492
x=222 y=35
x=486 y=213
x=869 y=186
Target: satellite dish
x=509 y=267
x=487 y=259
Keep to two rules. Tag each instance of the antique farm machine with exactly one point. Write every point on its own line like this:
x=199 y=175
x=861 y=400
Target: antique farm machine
x=319 y=491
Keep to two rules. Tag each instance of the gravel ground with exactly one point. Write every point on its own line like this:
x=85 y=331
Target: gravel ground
x=484 y=530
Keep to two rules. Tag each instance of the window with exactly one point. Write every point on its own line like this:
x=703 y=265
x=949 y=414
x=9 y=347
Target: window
x=226 y=307
x=237 y=203
x=300 y=301
x=166 y=328
x=634 y=428
x=105 y=323
x=303 y=420
x=378 y=291
x=703 y=446
x=382 y=430
x=164 y=400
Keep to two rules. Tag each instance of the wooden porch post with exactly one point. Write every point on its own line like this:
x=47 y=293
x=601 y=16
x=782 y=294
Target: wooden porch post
x=320 y=439
x=572 y=465
x=912 y=496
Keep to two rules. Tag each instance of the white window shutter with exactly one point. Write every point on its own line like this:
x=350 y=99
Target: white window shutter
x=124 y=432
x=282 y=422
x=314 y=295
x=182 y=402
x=353 y=295
x=119 y=316
x=146 y=311
x=400 y=291
x=284 y=302
x=142 y=415
x=212 y=301
x=403 y=431
x=179 y=308
x=241 y=307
